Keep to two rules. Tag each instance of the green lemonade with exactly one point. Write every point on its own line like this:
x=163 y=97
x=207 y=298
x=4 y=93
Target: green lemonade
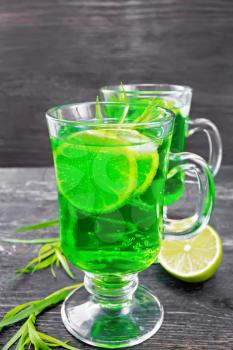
x=111 y=191
x=175 y=185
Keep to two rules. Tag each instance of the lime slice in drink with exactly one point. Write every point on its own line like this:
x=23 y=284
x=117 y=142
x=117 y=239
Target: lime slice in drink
x=195 y=259
x=147 y=158
x=147 y=163
x=96 y=172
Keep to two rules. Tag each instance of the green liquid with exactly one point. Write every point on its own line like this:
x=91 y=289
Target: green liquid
x=122 y=241
x=175 y=186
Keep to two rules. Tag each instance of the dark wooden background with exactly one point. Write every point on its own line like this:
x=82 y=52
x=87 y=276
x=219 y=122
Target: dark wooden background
x=58 y=51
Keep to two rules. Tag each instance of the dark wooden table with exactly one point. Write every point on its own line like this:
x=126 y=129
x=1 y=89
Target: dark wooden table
x=197 y=316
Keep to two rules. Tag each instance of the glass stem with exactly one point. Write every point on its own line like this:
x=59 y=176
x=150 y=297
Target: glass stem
x=111 y=291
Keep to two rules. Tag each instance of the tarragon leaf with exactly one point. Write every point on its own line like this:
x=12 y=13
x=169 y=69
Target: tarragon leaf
x=30 y=241
x=120 y=96
x=29 y=266
x=56 y=342
x=44 y=224
x=20 y=316
x=123 y=95
x=35 y=337
x=124 y=115
x=15 y=338
x=52 y=269
x=47 y=247
x=17 y=309
x=147 y=113
x=58 y=264
x=24 y=339
x=98 y=113
x=64 y=263
x=60 y=295
x=41 y=265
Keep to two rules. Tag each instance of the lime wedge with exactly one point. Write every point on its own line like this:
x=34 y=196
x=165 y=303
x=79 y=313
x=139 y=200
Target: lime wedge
x=195 y=259
x=96 y=172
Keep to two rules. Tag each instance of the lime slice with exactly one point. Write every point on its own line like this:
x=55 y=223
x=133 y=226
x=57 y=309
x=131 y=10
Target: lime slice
x=195 y=259
x=147 y=162
x=96 y=172
x=147 y=158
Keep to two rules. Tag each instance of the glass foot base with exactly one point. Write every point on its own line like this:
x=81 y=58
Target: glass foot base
x=103 y=326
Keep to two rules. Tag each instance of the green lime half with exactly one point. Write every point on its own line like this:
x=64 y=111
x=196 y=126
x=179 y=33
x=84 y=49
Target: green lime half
x=195 y=259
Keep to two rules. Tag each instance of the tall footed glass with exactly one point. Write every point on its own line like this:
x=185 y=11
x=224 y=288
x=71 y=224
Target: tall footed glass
x=111 y=174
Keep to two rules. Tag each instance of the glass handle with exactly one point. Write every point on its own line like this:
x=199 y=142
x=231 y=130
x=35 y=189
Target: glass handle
x=196 y=167
x=214 y=140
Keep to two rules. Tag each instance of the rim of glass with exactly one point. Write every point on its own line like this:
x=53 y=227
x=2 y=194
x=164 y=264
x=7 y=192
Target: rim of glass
x=169 y=116
x=174 y=88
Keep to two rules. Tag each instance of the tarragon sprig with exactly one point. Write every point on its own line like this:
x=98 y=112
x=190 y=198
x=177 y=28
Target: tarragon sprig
x=28 y=335
x=98 y=113
x=49 y=255
x=122 y=95
x=126 y=101
x=146 y=115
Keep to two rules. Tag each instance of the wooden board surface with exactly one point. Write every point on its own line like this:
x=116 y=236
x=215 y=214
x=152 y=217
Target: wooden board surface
x=197 y=316
x=59 y=51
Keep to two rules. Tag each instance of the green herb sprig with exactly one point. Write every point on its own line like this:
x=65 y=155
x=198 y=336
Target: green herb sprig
x=28 y=335
x=122 y=95
x=98 y=112
x=39 y=226
x=49 y=255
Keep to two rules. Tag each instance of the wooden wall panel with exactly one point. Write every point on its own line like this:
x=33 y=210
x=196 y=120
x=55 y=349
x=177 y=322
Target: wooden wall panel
x=59 y=51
